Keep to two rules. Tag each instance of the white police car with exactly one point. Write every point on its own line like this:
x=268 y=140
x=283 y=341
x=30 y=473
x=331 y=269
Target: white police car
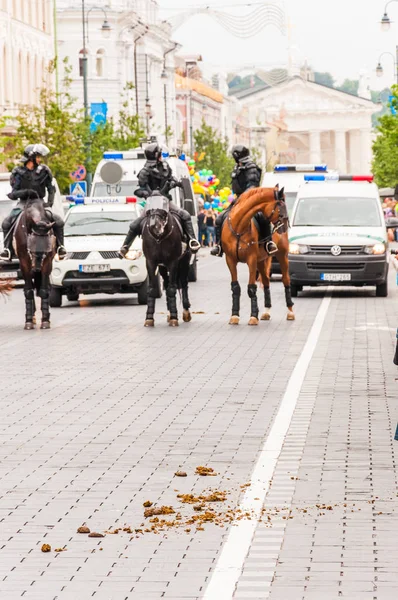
x=94 y=231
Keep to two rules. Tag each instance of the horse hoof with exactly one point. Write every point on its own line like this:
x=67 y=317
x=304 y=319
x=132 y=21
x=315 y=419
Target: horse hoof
x=173 y=322
x=291 y=316
x=149 y=323
x=186 y=316
x=234 y=320
x=266 y=316
x=45 y=325
x=253 y=321
x=29 y=326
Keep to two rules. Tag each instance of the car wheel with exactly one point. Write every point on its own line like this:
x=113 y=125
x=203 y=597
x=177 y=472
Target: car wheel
x=55 y=297
x=143 y=293
x=73 y=296
x=382 y=289
x=294 y=290
x=193 y=271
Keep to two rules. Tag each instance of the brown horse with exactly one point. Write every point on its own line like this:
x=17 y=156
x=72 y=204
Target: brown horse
x=241 y=243
x=34 y=244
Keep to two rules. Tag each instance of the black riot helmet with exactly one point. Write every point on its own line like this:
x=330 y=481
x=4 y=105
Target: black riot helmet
x=239 y=152
x=32 y=151
x=153 y=152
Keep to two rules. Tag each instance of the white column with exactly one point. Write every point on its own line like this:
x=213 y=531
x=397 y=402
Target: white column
x=340 y=151
x=315 y=147
x=366 y=151
x=355 y=152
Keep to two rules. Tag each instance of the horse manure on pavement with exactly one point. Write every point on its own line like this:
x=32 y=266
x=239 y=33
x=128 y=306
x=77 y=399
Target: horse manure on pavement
x=95 y=534
x=147 y=504
x=180 y=474
x=161 y=510
x=83 y=529
x=46 y=548
x=205 y=471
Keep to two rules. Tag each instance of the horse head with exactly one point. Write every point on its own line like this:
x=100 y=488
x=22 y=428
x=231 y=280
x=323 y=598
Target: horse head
x=157 y=223
x=277 y=210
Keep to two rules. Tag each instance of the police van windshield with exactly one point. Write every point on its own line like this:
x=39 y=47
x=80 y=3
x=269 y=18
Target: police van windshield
x=290 y=198
x=100 y=223
x=337 y=212
x=124 y=188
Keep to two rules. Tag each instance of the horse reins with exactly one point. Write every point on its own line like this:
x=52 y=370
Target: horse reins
x=161 y=239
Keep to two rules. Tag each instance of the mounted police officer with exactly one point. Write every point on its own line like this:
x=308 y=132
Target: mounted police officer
x=32 y=175
x=156 y=175
x=246 y=175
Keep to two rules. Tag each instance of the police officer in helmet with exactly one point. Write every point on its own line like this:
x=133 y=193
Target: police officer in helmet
x=31 y=174
x=246 y=175
x=156 y=175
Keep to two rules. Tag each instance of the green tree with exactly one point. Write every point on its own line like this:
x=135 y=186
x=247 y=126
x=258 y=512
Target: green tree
x=350 y=86
x=217 y=157
x=58 y=125
x=324 y=78
x=385 y=147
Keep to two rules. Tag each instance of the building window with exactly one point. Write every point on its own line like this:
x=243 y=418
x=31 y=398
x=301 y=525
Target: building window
x=99 y=63
x=81 y=62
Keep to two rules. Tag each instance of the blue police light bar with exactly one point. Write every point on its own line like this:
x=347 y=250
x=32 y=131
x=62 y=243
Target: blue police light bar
x=79 y=201
x=337 y=177
x=113 y=155
x=300 y=168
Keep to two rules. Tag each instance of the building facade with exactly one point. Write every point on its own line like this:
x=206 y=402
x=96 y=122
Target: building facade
x=138 y=50
x=26 y=49
x=312 y=123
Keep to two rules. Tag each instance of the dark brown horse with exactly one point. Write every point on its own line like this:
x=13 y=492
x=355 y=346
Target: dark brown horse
x=34 y=244
x=241 y=243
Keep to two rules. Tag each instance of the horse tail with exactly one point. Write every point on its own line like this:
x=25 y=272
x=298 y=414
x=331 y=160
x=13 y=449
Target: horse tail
x=6 y=286
x=37 y=278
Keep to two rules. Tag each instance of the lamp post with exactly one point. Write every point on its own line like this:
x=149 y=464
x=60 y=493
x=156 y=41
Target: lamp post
x=106 y=31
x=164 y=79
x=379 y=68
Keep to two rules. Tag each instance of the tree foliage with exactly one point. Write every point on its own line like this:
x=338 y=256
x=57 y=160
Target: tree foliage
x=59 y=124
x=385 y=147
x=350 y=86
x=324 y=78
x=217 y=157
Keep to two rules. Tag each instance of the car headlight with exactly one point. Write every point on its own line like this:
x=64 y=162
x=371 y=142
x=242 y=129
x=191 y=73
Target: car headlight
x=57 y=259
x=134 y=254
x=376 y=249
x=298 y=249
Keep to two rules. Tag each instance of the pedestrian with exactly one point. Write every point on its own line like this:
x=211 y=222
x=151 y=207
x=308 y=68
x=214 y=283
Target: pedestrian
x=210 y=226
x=202 y=229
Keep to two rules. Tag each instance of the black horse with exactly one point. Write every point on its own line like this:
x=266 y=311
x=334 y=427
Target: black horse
x=34 y=243
x=165 y=250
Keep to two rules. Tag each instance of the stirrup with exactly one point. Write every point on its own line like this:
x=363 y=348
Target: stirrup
x=122 y=252
x=5 y=254
x=62 y=252
x=271 y=248
x=194 y=245
x=217 y=250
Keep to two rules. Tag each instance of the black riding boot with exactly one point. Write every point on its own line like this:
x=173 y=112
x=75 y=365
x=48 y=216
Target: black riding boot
x=6 y=253
x=133 y=232
x=189 y=231
x=59 y=236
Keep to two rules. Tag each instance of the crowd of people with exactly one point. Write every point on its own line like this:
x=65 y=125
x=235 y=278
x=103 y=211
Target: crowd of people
x=390 y=209
x=207 y=227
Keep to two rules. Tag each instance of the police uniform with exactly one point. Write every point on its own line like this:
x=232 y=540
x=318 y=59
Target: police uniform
x=38 y=179
x=156 y=175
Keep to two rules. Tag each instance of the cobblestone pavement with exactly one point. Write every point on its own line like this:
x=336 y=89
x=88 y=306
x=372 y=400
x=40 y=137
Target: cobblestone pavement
x=99 y=413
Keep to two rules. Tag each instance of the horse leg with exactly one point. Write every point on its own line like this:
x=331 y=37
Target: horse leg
x=236 y=291
x=44 y=294
x=165 y=277
x=284 y=262
x=171 y=293
x=29 y=303
x=150 y=311
x=252 y=289
x=265 y=269
x=183 y=269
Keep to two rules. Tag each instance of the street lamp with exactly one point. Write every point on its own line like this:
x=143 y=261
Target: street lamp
x=379 y=68
x=385 y=20
x=106 y=31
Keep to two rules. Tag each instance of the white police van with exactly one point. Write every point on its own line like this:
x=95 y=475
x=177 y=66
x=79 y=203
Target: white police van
x=117 y=175
x=291 y=177
x=338 y=235
x=95 y=229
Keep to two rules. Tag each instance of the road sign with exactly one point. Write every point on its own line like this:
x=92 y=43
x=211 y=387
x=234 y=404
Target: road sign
x=98 y=113
x=79 y=174
x=78 y=189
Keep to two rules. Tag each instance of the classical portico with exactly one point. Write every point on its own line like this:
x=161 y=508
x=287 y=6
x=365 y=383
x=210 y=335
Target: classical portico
x=314 y=123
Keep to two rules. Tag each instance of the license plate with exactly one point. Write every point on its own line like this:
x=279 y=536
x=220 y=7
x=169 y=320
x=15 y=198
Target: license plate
x=9 y=275
x=94 y=268
x=336 y=276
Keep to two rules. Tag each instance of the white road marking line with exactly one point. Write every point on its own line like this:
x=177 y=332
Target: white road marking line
x=230 y=563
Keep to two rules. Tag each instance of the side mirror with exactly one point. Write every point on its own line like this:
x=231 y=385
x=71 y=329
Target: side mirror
x=189 y=206
x=392 y=223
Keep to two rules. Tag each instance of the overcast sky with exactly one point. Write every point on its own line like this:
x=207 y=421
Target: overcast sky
x=340 y=36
